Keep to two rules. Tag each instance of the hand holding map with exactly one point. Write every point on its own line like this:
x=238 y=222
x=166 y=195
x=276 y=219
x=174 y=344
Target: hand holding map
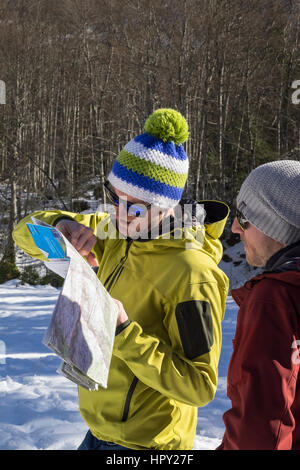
x=83 y=323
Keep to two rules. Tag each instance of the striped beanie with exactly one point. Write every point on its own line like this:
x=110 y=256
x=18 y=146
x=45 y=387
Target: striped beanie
x=153 y=166
x=270 y=199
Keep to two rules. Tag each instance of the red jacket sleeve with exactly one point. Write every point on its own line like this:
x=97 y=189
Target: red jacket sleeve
x=263 y=372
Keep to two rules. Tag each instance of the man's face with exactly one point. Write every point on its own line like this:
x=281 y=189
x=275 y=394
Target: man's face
x=258 y=247
x=130 y=226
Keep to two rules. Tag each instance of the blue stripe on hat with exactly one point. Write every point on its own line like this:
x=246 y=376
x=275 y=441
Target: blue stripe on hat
x=147 y=183
x=169 y=148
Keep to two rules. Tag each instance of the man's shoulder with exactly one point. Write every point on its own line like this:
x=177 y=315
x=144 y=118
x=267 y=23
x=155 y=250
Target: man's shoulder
x=268 y=287
x=197 y=266
x=275 y=288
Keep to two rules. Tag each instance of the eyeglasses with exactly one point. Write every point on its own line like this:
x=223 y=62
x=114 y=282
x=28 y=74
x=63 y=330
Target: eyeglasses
x=241 y=219
x=134 y=209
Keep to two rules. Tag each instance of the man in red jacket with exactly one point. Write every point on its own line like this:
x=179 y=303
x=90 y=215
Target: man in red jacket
x=263 y=374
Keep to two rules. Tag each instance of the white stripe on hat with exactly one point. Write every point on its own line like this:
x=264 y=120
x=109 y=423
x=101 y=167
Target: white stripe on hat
x=157 y=157
x=147 y=196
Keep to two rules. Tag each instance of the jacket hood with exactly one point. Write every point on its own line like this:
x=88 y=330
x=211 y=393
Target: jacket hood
x=285 y=259
x=283 y=266
x=205 y=228
x=217 y=213
x=198 y=214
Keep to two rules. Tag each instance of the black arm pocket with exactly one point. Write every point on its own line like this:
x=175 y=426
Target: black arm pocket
x=195 y=327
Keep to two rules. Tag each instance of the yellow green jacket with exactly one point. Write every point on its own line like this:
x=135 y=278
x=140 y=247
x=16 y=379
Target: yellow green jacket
x=165 y=361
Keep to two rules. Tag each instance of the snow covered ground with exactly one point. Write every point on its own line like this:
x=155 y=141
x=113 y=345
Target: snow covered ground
x=38 y=407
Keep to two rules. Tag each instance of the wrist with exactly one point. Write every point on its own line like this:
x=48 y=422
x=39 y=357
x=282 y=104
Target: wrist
x=122 y=326
x=60 y=218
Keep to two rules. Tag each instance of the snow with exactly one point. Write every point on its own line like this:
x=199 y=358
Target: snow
x=38 y=407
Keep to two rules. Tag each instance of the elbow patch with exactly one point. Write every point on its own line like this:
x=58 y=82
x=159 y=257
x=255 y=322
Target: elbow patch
x=195 y=327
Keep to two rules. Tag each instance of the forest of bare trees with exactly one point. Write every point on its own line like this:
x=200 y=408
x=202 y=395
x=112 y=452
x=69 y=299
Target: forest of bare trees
x=82 y=76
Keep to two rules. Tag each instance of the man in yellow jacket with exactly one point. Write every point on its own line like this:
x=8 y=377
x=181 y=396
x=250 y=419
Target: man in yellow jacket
x=170 y=292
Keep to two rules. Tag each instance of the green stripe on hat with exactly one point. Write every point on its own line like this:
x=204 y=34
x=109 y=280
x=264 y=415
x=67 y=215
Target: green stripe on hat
x=151 y=170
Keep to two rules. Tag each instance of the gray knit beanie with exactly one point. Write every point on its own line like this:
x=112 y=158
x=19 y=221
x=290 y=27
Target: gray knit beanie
x=270 y=199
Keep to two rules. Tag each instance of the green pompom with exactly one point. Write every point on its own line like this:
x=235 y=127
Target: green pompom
x=167 y=125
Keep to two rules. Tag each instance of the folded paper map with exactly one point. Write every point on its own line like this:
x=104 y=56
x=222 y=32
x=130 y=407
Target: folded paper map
x=83 y=323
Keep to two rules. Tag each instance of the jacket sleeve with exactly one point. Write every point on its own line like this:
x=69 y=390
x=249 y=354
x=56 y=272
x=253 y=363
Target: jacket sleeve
x=23 y=239
x=262 y=376
x=186 y=368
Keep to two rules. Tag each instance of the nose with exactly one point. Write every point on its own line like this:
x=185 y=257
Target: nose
x=235 y=228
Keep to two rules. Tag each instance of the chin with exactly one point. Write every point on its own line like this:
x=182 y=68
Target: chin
x=254 y=262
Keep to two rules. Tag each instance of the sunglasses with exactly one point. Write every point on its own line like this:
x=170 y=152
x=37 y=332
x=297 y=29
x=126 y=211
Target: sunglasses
x=134 y=209
x=241 y=219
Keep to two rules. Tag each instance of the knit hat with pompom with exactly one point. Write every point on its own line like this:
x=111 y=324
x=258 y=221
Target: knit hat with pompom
x=153 y=166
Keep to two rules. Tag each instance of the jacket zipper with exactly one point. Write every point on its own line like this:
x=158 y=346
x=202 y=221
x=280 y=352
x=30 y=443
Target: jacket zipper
x=114 y=276
x=128 y=398
x=118 y=269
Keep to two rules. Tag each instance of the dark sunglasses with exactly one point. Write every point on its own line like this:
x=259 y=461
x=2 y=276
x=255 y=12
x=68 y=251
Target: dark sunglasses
x=134 y=209
x=241 y=219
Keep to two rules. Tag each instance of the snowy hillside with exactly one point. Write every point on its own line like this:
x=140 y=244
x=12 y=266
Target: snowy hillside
x=38 y=407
